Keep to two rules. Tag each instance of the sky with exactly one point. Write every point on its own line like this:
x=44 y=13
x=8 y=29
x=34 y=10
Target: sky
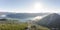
x=30 y=6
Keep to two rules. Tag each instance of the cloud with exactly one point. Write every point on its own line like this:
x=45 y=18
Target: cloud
x=37 y=18
x=31 y=10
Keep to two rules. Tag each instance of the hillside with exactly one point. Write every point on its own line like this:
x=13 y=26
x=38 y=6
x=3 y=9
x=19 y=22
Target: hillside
x=52 y=20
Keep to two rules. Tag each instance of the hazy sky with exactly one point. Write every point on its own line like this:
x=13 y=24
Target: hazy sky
x=29 y=6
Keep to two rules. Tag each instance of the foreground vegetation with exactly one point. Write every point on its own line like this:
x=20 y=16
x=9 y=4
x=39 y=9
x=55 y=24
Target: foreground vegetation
x=15 y=25
x=12 y=26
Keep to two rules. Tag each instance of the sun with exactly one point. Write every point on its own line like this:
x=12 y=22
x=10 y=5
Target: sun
x=38 y=5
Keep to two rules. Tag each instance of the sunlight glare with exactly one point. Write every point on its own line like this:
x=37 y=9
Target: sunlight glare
x=38 y=5
x=37 y=18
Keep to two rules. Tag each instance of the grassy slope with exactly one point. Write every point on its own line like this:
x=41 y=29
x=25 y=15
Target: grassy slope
x=18 y=27
x=12 y=26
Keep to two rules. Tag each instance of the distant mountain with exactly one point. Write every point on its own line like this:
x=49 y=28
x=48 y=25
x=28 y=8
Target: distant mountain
x=52 y=20
x=20 y=16
x=25 y=15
